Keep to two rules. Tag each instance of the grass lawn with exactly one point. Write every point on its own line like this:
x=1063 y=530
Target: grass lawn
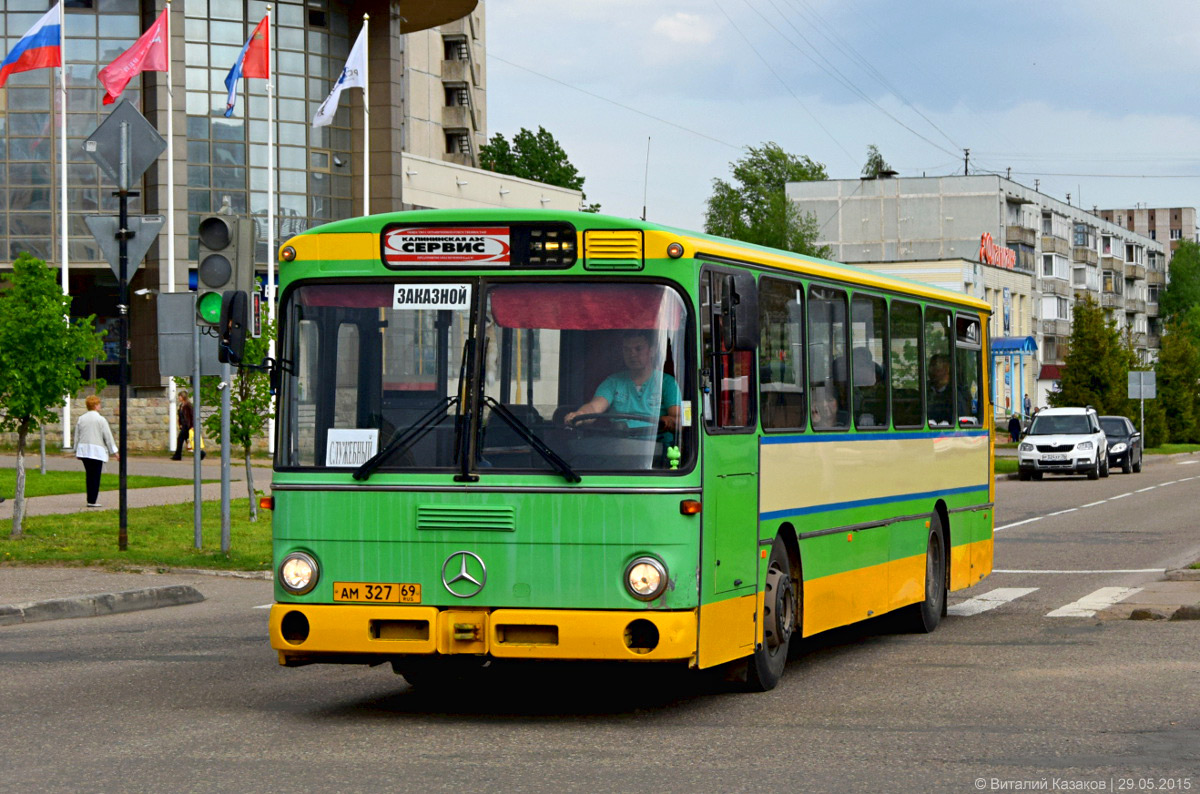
x=158 y=536
x=1005 y=465
x=59 y=482
x=1171 y=449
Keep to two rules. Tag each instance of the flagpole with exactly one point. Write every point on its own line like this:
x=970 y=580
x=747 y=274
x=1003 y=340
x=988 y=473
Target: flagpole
x=172 y=420
x=62 y=158
x=270 y=172
x=367 y=123
x=270 y=211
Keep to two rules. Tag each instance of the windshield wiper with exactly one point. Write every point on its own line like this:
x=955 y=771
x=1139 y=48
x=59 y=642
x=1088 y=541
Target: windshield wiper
x=532 y=440
x=416 y=431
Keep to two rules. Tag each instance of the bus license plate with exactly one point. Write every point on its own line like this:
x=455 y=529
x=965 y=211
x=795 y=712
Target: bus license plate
x=375 y=593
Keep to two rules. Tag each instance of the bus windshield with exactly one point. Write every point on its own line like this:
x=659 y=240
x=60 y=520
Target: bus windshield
x=405 y=377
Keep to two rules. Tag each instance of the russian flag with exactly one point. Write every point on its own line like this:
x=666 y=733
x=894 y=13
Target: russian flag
x=40 y=48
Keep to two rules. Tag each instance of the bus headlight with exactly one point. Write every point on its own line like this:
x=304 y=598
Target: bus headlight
x=645 y=578
x=298 y=573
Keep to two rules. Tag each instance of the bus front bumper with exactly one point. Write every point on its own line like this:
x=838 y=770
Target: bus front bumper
x=366 y=634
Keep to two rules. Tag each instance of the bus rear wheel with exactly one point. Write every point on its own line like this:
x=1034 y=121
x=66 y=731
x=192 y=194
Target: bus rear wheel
x=925 y=616
x=780 y=611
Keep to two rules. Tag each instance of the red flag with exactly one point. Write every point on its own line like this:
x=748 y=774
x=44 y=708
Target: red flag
x=257 y=62
x=148 y=54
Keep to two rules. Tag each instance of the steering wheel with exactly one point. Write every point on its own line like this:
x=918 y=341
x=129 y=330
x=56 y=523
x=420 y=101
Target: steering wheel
x=612 y=423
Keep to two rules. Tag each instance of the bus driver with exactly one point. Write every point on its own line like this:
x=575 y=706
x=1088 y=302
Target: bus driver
x=638 y=389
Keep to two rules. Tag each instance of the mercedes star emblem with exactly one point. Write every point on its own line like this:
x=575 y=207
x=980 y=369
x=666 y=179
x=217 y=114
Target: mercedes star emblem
x=471 y=576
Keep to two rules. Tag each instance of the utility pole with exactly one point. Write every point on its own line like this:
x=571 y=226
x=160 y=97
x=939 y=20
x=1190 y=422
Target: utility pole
x=966 y=160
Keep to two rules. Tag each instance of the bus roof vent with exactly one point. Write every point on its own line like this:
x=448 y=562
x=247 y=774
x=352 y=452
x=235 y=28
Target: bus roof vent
x=613 y=249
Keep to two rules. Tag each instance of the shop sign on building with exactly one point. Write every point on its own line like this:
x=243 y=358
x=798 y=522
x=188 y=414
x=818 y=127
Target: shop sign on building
x=998 y=255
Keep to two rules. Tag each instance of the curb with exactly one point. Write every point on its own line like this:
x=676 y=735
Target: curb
x=89 y=606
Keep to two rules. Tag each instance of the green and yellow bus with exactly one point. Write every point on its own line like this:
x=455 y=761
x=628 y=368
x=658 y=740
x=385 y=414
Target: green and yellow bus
x=537 y=435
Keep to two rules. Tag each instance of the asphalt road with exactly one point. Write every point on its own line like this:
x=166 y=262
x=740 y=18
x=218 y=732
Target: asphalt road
x=190 y=698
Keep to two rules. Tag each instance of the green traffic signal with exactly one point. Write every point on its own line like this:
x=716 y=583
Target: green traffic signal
x=208 y=308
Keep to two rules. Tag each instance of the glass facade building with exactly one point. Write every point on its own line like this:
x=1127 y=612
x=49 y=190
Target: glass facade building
x=218 y=161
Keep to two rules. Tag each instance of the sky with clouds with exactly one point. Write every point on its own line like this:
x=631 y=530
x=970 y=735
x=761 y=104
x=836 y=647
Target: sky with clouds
x=1096 y=99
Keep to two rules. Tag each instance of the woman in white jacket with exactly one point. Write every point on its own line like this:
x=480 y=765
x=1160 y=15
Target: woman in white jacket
x=93 y=443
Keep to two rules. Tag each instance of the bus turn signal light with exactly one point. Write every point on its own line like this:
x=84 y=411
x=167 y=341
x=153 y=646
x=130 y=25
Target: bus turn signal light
x=689 y=507
x=266 y=502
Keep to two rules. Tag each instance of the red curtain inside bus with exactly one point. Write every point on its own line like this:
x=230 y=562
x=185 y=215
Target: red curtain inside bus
x=586 y=306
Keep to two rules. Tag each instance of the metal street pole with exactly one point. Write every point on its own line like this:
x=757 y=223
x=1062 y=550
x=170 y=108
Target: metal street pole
x=226 y=387
x=196 y=438
x=123 y=308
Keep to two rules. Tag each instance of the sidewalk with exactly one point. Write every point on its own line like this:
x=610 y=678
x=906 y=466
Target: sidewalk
x=210 y=469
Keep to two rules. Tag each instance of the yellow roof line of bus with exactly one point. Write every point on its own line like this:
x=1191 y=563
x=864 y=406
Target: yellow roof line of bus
x=350 y=246
x=810 y=265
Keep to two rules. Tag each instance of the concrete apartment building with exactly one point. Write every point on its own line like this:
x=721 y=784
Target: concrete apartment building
x=1029 y=255
x=1169 y=225
x=428 y=119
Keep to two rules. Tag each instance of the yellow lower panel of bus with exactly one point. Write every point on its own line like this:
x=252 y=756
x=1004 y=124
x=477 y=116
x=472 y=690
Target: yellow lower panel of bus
x=849 y=597
x=309 y=631
x=728 y=630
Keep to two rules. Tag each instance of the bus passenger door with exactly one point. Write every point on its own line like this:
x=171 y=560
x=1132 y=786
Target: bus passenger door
x=729 y=319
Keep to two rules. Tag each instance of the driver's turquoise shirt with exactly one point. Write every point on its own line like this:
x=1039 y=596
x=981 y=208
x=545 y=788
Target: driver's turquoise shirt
x=653 y=398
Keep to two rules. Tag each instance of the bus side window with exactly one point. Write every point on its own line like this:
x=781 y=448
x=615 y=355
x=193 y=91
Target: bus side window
x=828 y=362
x=782 y=395
x=730 y=372
x=968 y=353
x=939 y=369
x=905 y=343
x=868 y=390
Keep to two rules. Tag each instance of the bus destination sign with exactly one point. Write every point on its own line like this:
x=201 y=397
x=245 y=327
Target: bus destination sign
x=442 y=245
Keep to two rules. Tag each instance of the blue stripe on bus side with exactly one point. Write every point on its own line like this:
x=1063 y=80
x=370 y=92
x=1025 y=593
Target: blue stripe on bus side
x=879 y=500
x=865 y=435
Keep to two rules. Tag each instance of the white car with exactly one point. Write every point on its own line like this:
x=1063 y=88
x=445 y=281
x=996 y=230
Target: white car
x=1064 y=441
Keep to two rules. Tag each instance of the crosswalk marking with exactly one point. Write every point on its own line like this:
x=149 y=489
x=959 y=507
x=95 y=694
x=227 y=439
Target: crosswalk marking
x=989 y=600
x=1092 y=603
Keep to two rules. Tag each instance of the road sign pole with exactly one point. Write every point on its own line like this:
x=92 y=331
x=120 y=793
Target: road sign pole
x=123 y=307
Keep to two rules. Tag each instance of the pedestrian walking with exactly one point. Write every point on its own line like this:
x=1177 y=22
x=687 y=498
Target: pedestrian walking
x=1014 y=428
x=186 y=416
x=93 y=443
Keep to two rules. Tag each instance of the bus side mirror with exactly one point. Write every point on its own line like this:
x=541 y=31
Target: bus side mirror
x=231 y=330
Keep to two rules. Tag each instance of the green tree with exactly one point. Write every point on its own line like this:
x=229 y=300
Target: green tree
x=533 y=155
x=1177 y=375
x=1097 y=363
x=40 y=352
x=249 y=405
x=755 y=207
x=1180 y=298
x=876 y=166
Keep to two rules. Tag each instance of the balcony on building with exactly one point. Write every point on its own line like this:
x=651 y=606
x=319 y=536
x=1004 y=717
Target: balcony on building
x=1056 y=286
x=1020 y=235
x=1056 y=327
x=1111 y=300
x=1135 y=270
x=1055 y=245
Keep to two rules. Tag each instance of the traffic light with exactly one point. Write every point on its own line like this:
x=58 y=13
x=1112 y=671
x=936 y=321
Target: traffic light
x=225 y=262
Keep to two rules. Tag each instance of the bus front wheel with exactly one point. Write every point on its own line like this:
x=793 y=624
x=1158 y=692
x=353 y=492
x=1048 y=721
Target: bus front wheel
x=780 y=610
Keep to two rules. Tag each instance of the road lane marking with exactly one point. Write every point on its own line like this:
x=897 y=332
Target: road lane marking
x=1060 y=512
x=264 y=606
x=1168 y=482
x=1143 y=490
x=988 y=600
x=1121 y=496
x=1092 y=603
x=1111 y=570
x=1094 y=504
x=1187 y=462
x=1018 y=523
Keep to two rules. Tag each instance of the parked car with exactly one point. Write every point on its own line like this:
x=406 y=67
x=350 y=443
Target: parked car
x=1124 y=443
x=1063 y=441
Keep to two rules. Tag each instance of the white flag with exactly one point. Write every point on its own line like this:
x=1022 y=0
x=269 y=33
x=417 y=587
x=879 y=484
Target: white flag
x=353 y=76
